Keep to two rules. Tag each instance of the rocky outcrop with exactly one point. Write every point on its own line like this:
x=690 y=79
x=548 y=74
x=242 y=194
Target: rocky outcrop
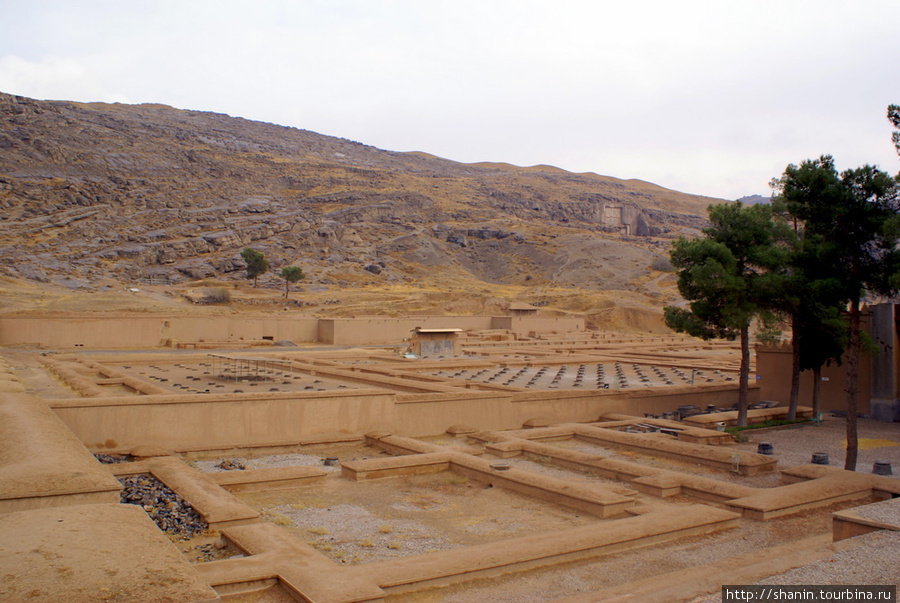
x=92 y=190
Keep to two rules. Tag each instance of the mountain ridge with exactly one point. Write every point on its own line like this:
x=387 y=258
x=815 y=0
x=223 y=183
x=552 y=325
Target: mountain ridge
x=93 y=191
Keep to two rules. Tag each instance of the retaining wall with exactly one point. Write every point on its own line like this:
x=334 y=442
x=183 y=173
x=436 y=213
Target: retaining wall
x=523 y=325
x=149 y=332
x=365 y=331
x=773 y=369
x=219 y=422
x=124 y=331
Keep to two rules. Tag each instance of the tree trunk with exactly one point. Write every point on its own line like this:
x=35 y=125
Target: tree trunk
x=795 y=367
x=745 y=376
x=852 y=386
x=287 y=285
x=817 y=390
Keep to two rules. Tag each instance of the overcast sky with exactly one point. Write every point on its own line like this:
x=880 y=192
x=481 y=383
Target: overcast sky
x=713 y=98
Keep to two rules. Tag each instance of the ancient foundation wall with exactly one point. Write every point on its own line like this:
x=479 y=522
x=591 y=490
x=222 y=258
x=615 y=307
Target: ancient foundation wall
x=773 y=366
x=184 y=423
x=365 y=331
x=577 y=407
x=42 y=463
x=150 y=332
x=219 y=422
x=88 y=332
x=523 y=325
x=431 y=414
x=242 y=328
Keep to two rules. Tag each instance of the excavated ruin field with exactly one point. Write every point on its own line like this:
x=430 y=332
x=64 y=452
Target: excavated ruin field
x=445 y=518
x=358 y=523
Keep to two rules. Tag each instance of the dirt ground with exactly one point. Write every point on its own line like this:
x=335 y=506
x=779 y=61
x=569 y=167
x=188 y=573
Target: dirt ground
x=634 y=308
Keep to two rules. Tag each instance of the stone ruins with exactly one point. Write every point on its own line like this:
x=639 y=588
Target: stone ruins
x=448 y=461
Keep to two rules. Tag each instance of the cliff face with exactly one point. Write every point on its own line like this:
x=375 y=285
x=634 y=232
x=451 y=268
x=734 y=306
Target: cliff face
x=91 y=191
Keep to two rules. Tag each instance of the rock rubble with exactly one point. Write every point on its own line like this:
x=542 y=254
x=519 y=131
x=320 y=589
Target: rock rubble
x=111 y=459
x=168 y=510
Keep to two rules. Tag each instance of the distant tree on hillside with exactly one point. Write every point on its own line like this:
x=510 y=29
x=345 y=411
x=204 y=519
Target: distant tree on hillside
x=290 y=274
x=893 y=114
x=257 y=264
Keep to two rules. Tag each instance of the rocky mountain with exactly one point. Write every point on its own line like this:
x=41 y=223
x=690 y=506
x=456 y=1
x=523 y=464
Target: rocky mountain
x=94 y=191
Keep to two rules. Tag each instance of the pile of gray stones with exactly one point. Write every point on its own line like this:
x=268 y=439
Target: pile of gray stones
x=166 y=508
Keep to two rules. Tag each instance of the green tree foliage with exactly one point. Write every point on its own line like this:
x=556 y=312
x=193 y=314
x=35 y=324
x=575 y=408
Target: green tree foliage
x=769 y=331
x=290 y=274
x=867 y=260
x=257 y=264
x=893 y=115
x=822 y=338
x=849 y=249
x=802 y=194
x=729 y=276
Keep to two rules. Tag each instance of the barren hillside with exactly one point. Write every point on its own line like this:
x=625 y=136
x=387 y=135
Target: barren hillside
x=96 y=197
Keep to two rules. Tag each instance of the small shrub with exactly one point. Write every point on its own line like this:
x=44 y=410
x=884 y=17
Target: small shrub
x=769 y=334
x=455 y=479
x=215 y=295
x=736 y=431
x=318 y=530
x=386 y=529
x=544 y=461
x=394 y=545
x=366 y=543
x=663 y=264
x=279 y=519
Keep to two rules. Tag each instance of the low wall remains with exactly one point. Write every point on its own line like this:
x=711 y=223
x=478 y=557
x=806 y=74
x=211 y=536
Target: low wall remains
x=374 y=330
x=142 y=331
x=122 y=331
x=219 y=422
x=523 y=325
x=773 y=369
x=42 y=464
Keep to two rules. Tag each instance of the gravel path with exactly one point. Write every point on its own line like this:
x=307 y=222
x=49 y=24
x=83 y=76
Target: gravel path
x=875 y=560
x=886 y=511
x=878 y=441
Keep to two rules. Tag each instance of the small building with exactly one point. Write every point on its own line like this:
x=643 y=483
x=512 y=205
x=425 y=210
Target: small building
x=434 y=343
x=522 y=309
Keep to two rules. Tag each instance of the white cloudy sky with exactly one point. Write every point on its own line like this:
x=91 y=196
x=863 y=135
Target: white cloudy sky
x=712 y=97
